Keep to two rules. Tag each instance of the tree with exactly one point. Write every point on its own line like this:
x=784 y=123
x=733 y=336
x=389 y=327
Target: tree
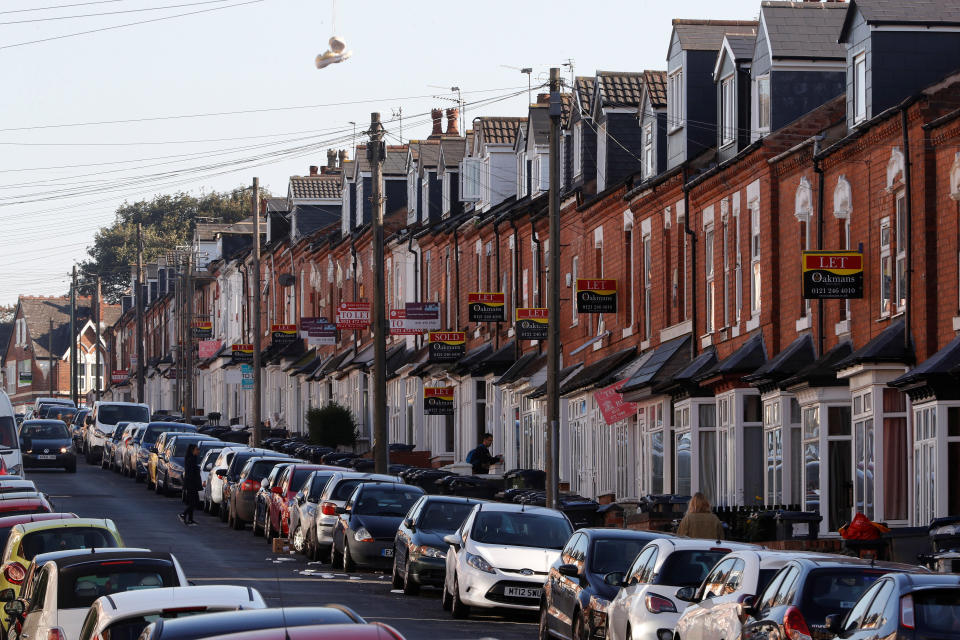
x=168 y=221
x=332 y=426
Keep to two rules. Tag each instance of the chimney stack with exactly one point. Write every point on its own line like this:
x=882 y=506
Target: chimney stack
x=543 y=98
x=331 y=159
x=342 y=157
x=453 y=121
x=313 y=170
x=437 y=115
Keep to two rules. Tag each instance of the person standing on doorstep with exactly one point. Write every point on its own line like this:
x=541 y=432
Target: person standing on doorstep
x=700 y=521
x=191 y=484
x=480 y=458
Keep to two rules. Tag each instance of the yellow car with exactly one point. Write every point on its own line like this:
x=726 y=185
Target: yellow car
x=32 y=538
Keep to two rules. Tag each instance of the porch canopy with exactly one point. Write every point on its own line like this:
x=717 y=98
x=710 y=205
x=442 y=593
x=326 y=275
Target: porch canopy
x=666 y=360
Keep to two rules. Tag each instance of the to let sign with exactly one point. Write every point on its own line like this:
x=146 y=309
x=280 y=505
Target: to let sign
x=118 y=376
x=322 y=333
x=532 y=324
x=353 y=315
x=447 y=346
x=438 y=401
x=486 y=306
x=832 y=275
x=242 y=353
x=283 y=334
x=205 y=349
x=612 y=405
x=202 y=329
x=398 y=324
x=596 y=296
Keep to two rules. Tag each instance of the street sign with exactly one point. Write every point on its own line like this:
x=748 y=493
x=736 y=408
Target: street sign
x=242 y=353
x=438 y=401
x=308 y=323
x=831 y=275
x=246 y=371
x=232 y=376
x=447 y=346
x=532 y=323
x=424 y=316
x=486 y=306
x=202 y=329
x=596 y=296
x=353 y=315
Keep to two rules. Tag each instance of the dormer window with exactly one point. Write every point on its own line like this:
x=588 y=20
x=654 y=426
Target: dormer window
x=675 y=99
x=860 y=87
x=648 y=150
x=412 y=197
x=728 y=110
x=578 y=149
x=445 y=191
x=763 y=104
x=470 y=180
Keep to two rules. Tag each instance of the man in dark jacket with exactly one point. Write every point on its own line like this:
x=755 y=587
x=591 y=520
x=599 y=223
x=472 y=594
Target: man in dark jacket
x=191 y=484
x=480 y=458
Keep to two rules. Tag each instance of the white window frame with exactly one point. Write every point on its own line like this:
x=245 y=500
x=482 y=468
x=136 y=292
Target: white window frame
x=900 y=263
x=756 y=298
x=602 y=156
x=859 y=70
x=445 y=194
x=728 y=111
x=412 y=197
x=763 y=104
x=737 y=268
x=709 y=275
x=648 y=150
x=647 y=286
x=675 y=106
x=630 y=263
x=578 y=149
x=574 y=270
x=886 y=268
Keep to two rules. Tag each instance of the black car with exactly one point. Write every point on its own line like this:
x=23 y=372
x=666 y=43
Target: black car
x=229 y=622
x=368 y=523
x=798 y=599
x=47 y=443
x=146 y=444
x=76 y=428
x=419 y=552
x=261 y=501
x=232 y=474
x=575 y=594
x=904 y=606
x=170 y=461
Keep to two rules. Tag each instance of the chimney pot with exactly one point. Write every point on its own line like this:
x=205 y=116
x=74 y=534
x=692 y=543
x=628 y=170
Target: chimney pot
x=437 y=115
x=453 y=119
x=342 y=157
x=543 y=98
x=331 y=158
x=313 y=170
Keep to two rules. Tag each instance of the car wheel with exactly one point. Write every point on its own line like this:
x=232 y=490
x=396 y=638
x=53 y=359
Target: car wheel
x=224 y=511
x=458 y=609
x=445 y=600
x=312 y=552
x=410 y=588
x=348 y=563
x=298 y=544
x=396 y=578
x=579 y=629
x=255 y=526
x=267 y=533
x=543 y=631
x=334 y=556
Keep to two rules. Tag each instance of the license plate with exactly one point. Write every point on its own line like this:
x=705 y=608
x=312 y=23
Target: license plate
x=47 y=457
x=522 y=592
x=387 y=553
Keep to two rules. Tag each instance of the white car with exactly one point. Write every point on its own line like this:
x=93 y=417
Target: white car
x=213 y=489
x=9 y=442
x=500 y=557
x=103 y=420
x=338 y=489
x=126 y=615
x=714 y=611
x=66 y=583
x=646 y=607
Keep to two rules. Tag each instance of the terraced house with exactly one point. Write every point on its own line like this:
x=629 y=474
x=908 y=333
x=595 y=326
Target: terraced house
x=697 y=187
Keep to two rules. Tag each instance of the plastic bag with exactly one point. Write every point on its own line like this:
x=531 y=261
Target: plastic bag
x=862 y=528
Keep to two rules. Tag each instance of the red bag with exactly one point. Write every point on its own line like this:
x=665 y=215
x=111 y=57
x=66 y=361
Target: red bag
x=861 y=528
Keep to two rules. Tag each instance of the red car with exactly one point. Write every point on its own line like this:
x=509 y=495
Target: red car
x=19 y=504
x=278 y=511
x=371 y=631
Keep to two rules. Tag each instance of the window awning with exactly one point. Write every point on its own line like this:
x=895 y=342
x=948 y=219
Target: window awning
x=331 y=364
x=788 y=362
x=594 y=372
x=667 y=359
x=748 y=358
x=888 y=346
x=495 y=362
x=525 y=366
x=822 y=372
x=936 y=377
x=565 y=373
x=682 y=383
x=305 y=360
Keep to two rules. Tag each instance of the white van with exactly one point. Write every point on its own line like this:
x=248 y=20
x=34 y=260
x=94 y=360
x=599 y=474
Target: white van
x=103 y=420
x=9 y=442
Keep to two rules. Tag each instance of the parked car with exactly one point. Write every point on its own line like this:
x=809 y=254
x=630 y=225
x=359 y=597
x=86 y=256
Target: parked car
x=103 y=420
x=367 y=527
x=145 y=445
x=77 y=424
x=7 y=523
x=261 y=500
x=281 y=496
x=128 y=449
x=241 y=506
x=110 y=445
x=156 y=451
x=369 y=631
x=499 y=557
x=126 y=615
x=68 y=583
x=209 y=452
x=229 y=623
x=806 y=590
x=335 y=494
x=213 y=487
x=646 y=606
x=16 y=504
x=16 y=484
x=903 y=606
x=419 y=552
x=228 y=476
x=170 y=460
x=303 y=513
x=33 y=538
x=576 y=593
x=47 y=443
x=714 y=611
x=10 y=457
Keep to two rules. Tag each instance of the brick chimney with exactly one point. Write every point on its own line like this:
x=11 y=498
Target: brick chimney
x=543 y=98
x=342 y=157
x=331 y=158
x=453 y=121
x=437 y=115
x=313 y=170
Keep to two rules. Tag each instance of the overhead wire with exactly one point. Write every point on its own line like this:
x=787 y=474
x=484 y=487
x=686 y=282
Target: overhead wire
x=60 y=6
x=111 y=13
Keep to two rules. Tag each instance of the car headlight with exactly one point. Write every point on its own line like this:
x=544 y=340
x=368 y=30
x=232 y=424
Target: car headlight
x=63 y=449
x=362 y=535
x=430 y=552
x=477 y=562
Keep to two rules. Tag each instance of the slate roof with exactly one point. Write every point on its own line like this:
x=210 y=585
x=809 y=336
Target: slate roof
x=661 y=356
x=741 y=46
x=279 y=205
x=796 y=356
x=453 y=151
x=395 y=164
x=583 y=86
x=821 y=372
x=805 y=29
x=39 y=311
x=707 y=35
x=565 y=373
x=428 y=152
x=323 y=187
x=525 y=366
x=656 y=83
x=888 y=346
x=943 y=363
x=686 y=376
x=748 y=358
x=620 y=89
x=499 y=130
x=900 y=11
x=595 y=371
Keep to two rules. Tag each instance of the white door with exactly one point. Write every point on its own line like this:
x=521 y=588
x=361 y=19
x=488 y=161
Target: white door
x=44 y=594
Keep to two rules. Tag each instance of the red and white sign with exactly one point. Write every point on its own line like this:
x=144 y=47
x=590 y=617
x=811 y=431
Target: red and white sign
x=353 y=315
x=612 y=405
x=399 y=324
x=208 y=348
x=118 y=376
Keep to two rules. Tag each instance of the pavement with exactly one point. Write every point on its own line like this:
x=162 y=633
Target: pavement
x=211 y=553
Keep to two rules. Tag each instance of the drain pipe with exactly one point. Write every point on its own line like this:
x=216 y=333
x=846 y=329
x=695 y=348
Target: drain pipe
x=456 y=264
x=416 y=278
x=496 y=235
x=821 y=184
x=908 y=213
x=514 y=282
x=353 y=252
x=693 y=263
x=536 y=240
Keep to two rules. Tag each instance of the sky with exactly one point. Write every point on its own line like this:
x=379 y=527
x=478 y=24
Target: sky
x=206 y=94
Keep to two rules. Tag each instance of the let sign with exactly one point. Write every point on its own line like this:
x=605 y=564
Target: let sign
x=832 y=275
x=486 y=306
x=596 y=295
x=353 y=315
x=438 y=401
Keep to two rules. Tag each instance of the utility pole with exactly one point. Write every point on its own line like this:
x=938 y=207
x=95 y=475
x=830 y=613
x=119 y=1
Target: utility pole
x=139 y=301
x=50 y=357
x=73 y=338
x=178 y=330
x=375 y=153
x=188 y=338
x=98 y=374
x=257 y=330
x=553 y=305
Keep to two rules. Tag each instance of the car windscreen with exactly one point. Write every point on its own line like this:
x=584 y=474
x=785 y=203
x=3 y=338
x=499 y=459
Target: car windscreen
x=317 y=484
x=260 y=469
x=344 y=488
x=614 y=554
x=210 y=459
x=385 y=501
x=239 y=461
x=444 y=517
x=79 y=586
x=8 y=433
x=299 y=477
x=45 y=431
x=688 y=567
x=114 y=413
x=154 y=430
x=131 y=628
x=937 y=611
x=521 y=529
x=62 y=538
x=180 y=446
x=827 y=591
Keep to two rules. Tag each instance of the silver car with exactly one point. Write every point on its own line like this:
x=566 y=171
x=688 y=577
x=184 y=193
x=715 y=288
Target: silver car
x=128 y=449
x=303 y=513
x=335 y=494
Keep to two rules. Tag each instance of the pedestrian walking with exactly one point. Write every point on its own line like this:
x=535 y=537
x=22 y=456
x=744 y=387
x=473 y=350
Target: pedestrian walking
x=481 y=458
x=191 y=484
x=700 y=521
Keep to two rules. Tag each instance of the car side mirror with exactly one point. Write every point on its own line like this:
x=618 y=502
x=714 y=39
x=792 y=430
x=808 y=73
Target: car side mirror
x=834 y=623
x=7 y=595
x=453 y=540
x=687 y=594
x=408 y=523
x=301 y=498
x=615 y=578
x=14 y=608
x=341 y=510
x=569 y=570
x=221 y=473
x=748 y=607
